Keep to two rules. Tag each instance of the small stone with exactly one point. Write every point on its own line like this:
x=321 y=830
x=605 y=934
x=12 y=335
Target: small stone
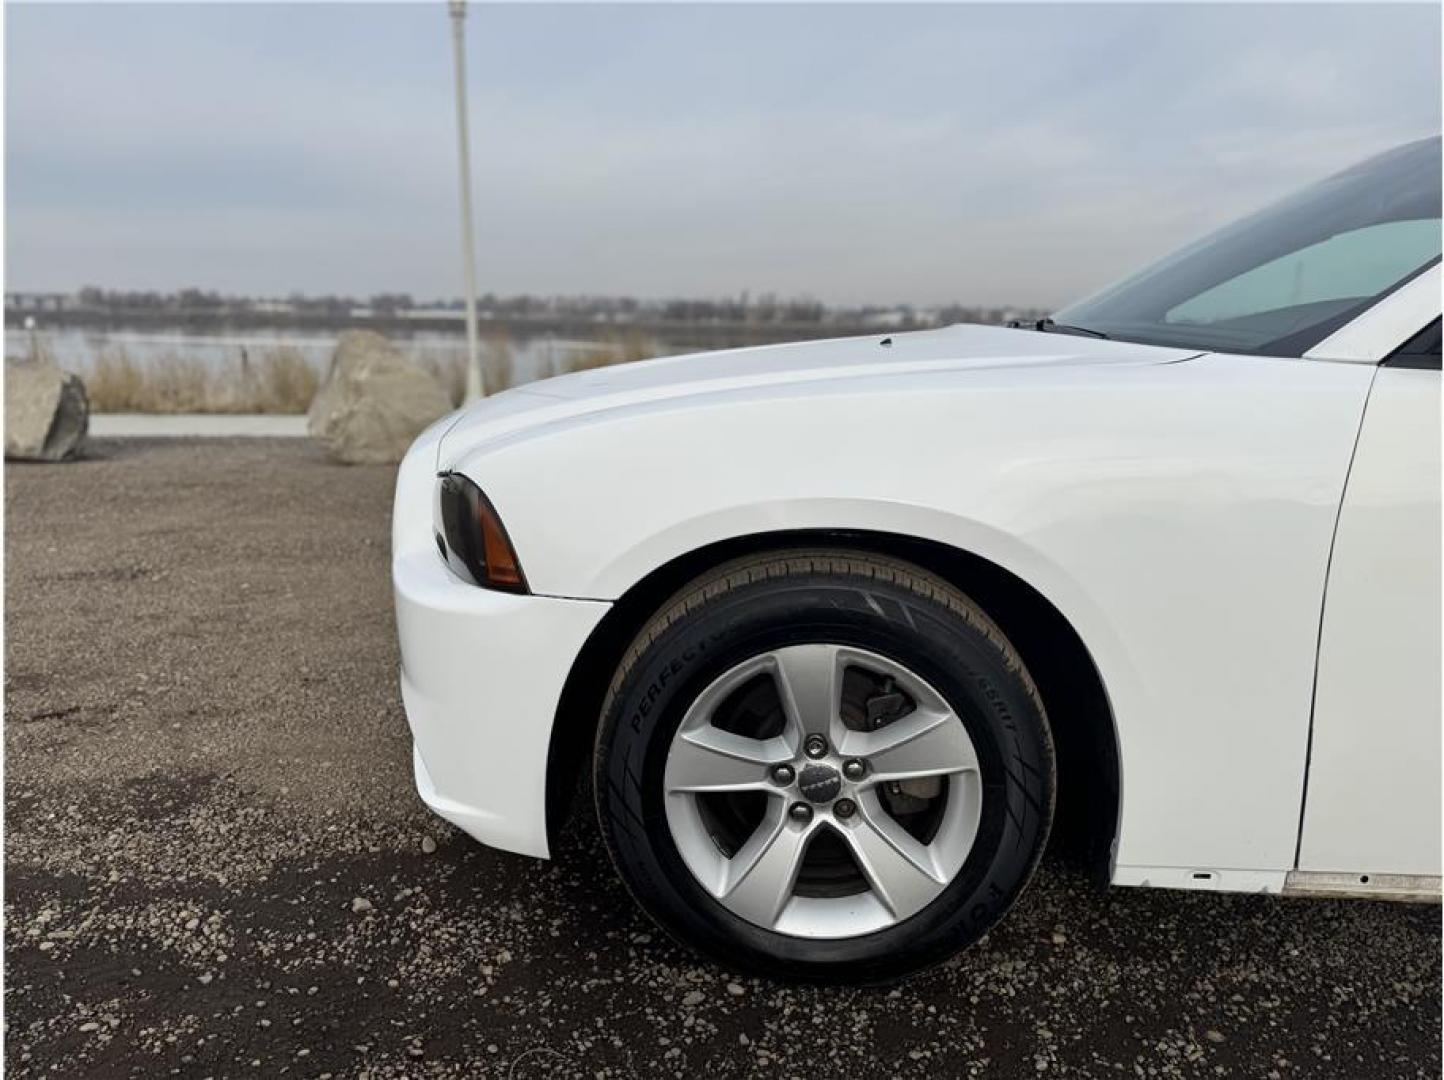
x=735 y=989
x=693 y=997
x=360 y=904
x=205 y=978
x=1213 y=1035
x=90 y=1025
x=428 y=845
x=1059 y=938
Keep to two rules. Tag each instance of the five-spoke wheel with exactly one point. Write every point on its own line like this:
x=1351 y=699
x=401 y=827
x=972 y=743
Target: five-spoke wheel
x=828 y=771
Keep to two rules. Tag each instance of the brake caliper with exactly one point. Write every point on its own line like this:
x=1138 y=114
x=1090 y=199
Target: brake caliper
x=905 y=796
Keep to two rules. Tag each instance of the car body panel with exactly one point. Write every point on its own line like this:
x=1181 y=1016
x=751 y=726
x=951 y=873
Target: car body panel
x=1177 y=512
x=1377 y=332
x=481 y=680
x=481 y=675
x=801 y=365
x=1373 y=790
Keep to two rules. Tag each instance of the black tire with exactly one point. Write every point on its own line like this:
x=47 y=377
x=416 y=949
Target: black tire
x=891 y=608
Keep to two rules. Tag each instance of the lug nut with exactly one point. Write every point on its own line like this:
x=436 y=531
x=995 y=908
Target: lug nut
x=783 y=774
x=844 y=808
x=800 y=812
x=854 y=769
x=815 y=746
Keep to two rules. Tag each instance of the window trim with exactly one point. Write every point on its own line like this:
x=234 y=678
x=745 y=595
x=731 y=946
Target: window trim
x=1417 y=361
x=1374 y=334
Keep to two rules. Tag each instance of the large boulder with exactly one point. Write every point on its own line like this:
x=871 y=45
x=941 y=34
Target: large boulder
x=374 y=401
x=46 y=412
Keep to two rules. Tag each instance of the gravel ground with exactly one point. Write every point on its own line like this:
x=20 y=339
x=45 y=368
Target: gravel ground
x=215 y=864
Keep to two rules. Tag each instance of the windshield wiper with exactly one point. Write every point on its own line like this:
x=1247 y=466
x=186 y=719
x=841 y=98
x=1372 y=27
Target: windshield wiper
x=1048 y=326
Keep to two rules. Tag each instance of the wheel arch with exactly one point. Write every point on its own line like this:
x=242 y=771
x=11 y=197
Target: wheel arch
x=1073 y=692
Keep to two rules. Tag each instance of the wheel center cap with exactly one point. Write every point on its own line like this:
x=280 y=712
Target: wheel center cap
x=820 y=783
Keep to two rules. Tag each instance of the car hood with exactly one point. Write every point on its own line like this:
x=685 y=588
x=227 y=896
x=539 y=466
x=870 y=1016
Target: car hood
x=960 y=348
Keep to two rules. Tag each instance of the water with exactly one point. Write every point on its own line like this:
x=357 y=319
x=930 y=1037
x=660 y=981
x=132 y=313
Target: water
x=76 y=349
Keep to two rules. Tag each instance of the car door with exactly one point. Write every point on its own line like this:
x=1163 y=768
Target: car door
x=1371 y=805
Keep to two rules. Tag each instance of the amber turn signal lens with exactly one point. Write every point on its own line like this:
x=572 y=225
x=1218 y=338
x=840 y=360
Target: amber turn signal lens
x=502 y=571
x=475 y=543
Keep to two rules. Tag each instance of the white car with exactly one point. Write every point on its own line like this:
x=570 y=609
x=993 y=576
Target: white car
x=840 y=630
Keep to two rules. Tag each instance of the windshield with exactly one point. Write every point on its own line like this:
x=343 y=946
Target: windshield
x=1281 y=280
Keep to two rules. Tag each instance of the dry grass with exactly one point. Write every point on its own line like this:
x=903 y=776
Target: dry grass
x=631 y=347
x=497 y=362
x=280 y=381
x=497 y=368
x=450 y=372
x=287 y=380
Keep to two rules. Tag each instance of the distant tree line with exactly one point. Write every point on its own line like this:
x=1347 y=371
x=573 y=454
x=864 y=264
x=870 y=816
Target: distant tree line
x=764 y=309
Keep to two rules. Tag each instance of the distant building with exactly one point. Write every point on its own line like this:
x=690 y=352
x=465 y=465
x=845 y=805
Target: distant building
x=887 y=320
x=18 y=301
x=431 y=313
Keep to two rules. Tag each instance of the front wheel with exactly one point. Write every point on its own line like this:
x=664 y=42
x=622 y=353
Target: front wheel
x=824 y=765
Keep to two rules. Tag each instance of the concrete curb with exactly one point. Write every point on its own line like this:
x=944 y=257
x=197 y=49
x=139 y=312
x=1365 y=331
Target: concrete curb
x=187 y=425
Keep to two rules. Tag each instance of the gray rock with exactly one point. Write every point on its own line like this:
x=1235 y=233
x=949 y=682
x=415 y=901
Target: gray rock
x=374 y=402
x=46 y=412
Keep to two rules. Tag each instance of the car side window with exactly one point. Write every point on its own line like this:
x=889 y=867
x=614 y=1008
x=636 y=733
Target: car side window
x=1339 y=271
x=1420 y=351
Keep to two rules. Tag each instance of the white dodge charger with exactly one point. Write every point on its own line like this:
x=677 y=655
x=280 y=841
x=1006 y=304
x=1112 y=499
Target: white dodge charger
x=840 y=630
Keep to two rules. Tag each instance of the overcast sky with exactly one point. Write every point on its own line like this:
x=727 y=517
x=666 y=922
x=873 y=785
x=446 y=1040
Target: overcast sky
x=979 y=154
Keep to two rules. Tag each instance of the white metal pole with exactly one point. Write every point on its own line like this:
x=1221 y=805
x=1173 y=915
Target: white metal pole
x=475 y=384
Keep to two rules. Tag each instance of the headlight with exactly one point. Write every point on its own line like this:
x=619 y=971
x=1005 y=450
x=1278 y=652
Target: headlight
x=472 y=540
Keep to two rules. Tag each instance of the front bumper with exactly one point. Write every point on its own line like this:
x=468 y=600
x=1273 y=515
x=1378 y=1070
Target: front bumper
x=481 y=675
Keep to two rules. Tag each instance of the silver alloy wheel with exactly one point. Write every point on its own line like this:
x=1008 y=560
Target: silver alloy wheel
x=808 y=791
